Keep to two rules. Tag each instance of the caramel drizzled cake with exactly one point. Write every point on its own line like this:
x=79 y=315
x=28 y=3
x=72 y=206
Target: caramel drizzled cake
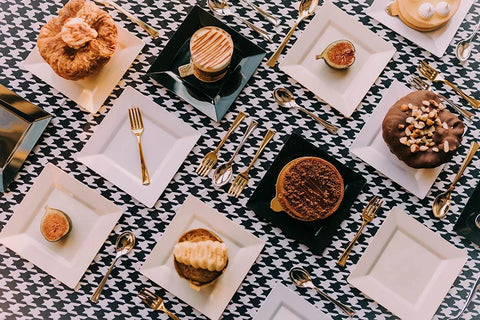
x=211 y=51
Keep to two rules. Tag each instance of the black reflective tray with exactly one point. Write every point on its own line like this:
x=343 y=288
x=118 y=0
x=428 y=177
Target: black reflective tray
x=213 y=99
x=21 y=125
x=465 y=225
x=317 y=234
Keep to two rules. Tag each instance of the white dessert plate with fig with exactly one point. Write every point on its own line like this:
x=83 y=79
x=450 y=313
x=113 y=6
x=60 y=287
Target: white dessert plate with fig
x=342 y=89
x=92 y=218
x=284 y=304
x=112 y=151
x=91 y=92
x=371 y=148
x=243 y=250
x=436 y=41
x=407 y=268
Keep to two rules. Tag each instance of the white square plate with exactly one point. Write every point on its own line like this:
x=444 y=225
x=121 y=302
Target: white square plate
x=91 y=92
x=436 y=41
x=284 y=304
x=371 y=148
x=93 y=218
x=407 y=268
x=243 y=250
x=342 y=89
x=112 y=151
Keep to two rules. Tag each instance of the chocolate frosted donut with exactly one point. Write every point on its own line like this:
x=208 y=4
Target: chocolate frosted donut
x=420 y=131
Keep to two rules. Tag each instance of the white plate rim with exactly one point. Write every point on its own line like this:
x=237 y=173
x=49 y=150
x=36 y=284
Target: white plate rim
x=218 y=223
x=282 y=295
x=325 y=14
x=66 y=274
x=90 y=156
x=425 y=40
x=416 y=181
x=129 y=47
x=455 y=259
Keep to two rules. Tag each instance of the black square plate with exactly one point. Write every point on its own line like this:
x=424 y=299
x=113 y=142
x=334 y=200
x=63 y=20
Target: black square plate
x=213 y=99
x=317 y=234
x=21 y=124
x=465 y=225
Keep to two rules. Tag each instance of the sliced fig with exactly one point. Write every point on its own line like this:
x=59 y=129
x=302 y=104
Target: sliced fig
x=338 y=55
x=55 y=224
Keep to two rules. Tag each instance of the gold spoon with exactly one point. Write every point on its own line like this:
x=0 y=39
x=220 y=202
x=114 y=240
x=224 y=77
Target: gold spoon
x=123 y=245
x=286 y=99
x=441 y=205
x=464 y=47
x=305 y=9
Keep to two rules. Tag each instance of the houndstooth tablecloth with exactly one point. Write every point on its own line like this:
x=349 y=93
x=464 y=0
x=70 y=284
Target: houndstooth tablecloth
x=27 y=292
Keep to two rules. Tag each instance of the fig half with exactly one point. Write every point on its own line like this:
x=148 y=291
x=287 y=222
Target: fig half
x=55 y=224
x=338 y=55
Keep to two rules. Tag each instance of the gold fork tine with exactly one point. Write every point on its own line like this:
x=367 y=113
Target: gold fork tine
x=368 y=214
x=139 y=117
x=130 y=117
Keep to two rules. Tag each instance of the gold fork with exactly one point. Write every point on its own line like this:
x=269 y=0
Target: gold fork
x=367 y=216
x=417 y=83
x=155 y=302
x=136 y=125
x=210 y=158
x=241 y=180
x=433 y=75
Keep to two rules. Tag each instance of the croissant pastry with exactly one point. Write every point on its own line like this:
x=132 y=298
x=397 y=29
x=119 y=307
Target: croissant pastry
x=80 y=41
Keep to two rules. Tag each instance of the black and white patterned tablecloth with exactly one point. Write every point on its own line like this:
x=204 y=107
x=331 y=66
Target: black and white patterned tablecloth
x=28 y=292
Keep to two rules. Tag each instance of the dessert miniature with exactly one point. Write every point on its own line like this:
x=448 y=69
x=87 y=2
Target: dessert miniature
x=420 y=131
x=200 y=257
x=80 y=41
x=211 y=50
x=308 y=189
x=55 y=224
x=423 y=15
x=339 y=55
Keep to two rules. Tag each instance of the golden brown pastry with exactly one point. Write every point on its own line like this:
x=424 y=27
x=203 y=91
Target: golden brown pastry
x=200 y=257
x=80 y=41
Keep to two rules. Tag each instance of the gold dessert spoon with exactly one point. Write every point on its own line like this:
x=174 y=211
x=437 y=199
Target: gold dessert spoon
x=305 y=9
x=145 y=26
x=286 y=99
x=441 y=205
x=301 y=278
x=123 y=246
x=222 y=8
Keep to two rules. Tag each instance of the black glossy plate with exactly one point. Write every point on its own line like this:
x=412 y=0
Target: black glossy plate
x=213 y=99
x=465 y=225
x=21 y=124
x=317 y=234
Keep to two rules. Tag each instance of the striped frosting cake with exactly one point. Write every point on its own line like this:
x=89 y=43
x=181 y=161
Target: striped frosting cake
x=211 y=50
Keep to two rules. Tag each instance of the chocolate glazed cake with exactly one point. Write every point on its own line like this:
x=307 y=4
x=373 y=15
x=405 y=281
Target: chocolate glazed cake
x=420 y=131
x=308 y=189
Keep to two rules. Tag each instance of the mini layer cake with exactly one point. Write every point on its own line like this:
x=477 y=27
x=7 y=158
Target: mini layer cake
x=211 y=51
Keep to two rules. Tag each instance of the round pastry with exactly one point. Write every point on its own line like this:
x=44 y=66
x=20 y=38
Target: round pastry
x=80 y=41
x=211 y=50
x=420 y=131
x=200 y=257
x=308 y=189
x=424 y=15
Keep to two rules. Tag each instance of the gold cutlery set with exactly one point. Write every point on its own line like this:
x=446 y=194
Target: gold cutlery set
x=224 y=172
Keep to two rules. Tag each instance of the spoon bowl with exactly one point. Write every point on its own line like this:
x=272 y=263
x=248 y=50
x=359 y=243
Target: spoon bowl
x=222 y=175
x=441 y=204
x=464 y=47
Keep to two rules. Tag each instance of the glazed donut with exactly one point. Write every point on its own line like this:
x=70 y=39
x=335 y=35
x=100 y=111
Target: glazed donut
x=80 y=41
